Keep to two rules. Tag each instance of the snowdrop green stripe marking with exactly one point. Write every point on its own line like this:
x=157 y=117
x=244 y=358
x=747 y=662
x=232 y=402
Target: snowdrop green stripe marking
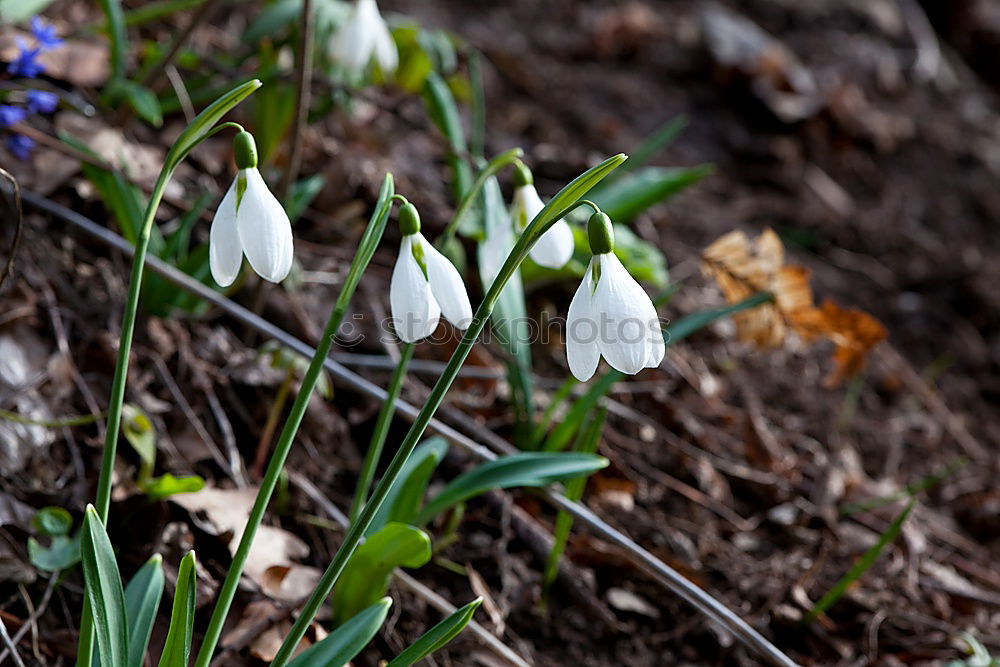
x=557 y=207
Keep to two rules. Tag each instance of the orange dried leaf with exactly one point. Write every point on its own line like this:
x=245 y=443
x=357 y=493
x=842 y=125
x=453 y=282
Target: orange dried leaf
x=742 y=267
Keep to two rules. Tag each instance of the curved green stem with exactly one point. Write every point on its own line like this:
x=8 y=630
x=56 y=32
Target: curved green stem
x=554 y=210
x=227 y=592
x=491 y=168
x=382 y=422
x=199 y=129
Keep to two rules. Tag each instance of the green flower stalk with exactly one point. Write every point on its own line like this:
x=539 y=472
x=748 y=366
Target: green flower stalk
x=203 y=126
x=366 y=248
x=558 y=207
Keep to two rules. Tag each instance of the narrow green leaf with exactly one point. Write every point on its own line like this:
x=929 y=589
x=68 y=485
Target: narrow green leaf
x=104 y=591
x=117 y=35
x=686 y=326
x=569 y=197
x=509 y=320
x=862 y=566
x=302 y=195
x=443 y=110
x=653 y=144
x=144 y=102
x=271 y=20
x=142 y=600
x=407 y=494
x=438 y=636
x=366 y=577
x=531 y=469
x=154 y=11
x=630 y=195
x=346 y=641
x=204 y=122
x=177 y=648
x=562 y=434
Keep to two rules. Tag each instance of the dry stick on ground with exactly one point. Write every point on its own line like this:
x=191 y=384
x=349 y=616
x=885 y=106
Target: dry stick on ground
x=32 y=620
x=640 y=558
x=430 y=596
x=895 y=361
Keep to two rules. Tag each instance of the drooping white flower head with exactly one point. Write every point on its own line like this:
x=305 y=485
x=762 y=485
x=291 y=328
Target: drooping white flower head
x=611 y=315
x=363 y=36
x=424 y=285
x=555 y=247
x=250 y=221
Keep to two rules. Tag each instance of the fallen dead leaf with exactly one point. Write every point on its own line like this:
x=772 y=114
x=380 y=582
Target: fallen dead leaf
x=227 y=511
x=742 y=267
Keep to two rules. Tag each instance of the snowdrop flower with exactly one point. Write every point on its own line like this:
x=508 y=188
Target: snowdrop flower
x=363 y=36
x=610 y=315
x=251 y=222
x=424 y=285
x=555 y=247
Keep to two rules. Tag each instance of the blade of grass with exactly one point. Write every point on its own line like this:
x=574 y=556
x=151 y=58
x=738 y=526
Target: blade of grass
x=177 y=649
x=862 y=566
x=437 y=637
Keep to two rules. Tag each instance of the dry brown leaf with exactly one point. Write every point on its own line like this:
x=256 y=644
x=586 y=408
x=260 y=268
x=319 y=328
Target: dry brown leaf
x=742 y=267
x=227 y=510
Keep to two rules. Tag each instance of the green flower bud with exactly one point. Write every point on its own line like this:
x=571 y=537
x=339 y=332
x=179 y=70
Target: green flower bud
x=409 y=219
x=601 y=234
x=522 y=175
x=245 y=150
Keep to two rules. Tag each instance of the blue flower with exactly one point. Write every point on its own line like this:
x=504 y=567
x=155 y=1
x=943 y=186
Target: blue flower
x=45 y=34
x=20 y=145
x=25 y=64
x=11 y=115
x=42 y=101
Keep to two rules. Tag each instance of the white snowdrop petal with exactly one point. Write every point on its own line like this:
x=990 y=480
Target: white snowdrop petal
x=384 y=46
x=410 y=297
x=225 y=252
x=433 y=315
x=264 y=229
x=582 y=351
x=447 y=286
x=622 y=302
x=657 y=346
x=354 y=42
x=525 y=206
x=555 y=247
